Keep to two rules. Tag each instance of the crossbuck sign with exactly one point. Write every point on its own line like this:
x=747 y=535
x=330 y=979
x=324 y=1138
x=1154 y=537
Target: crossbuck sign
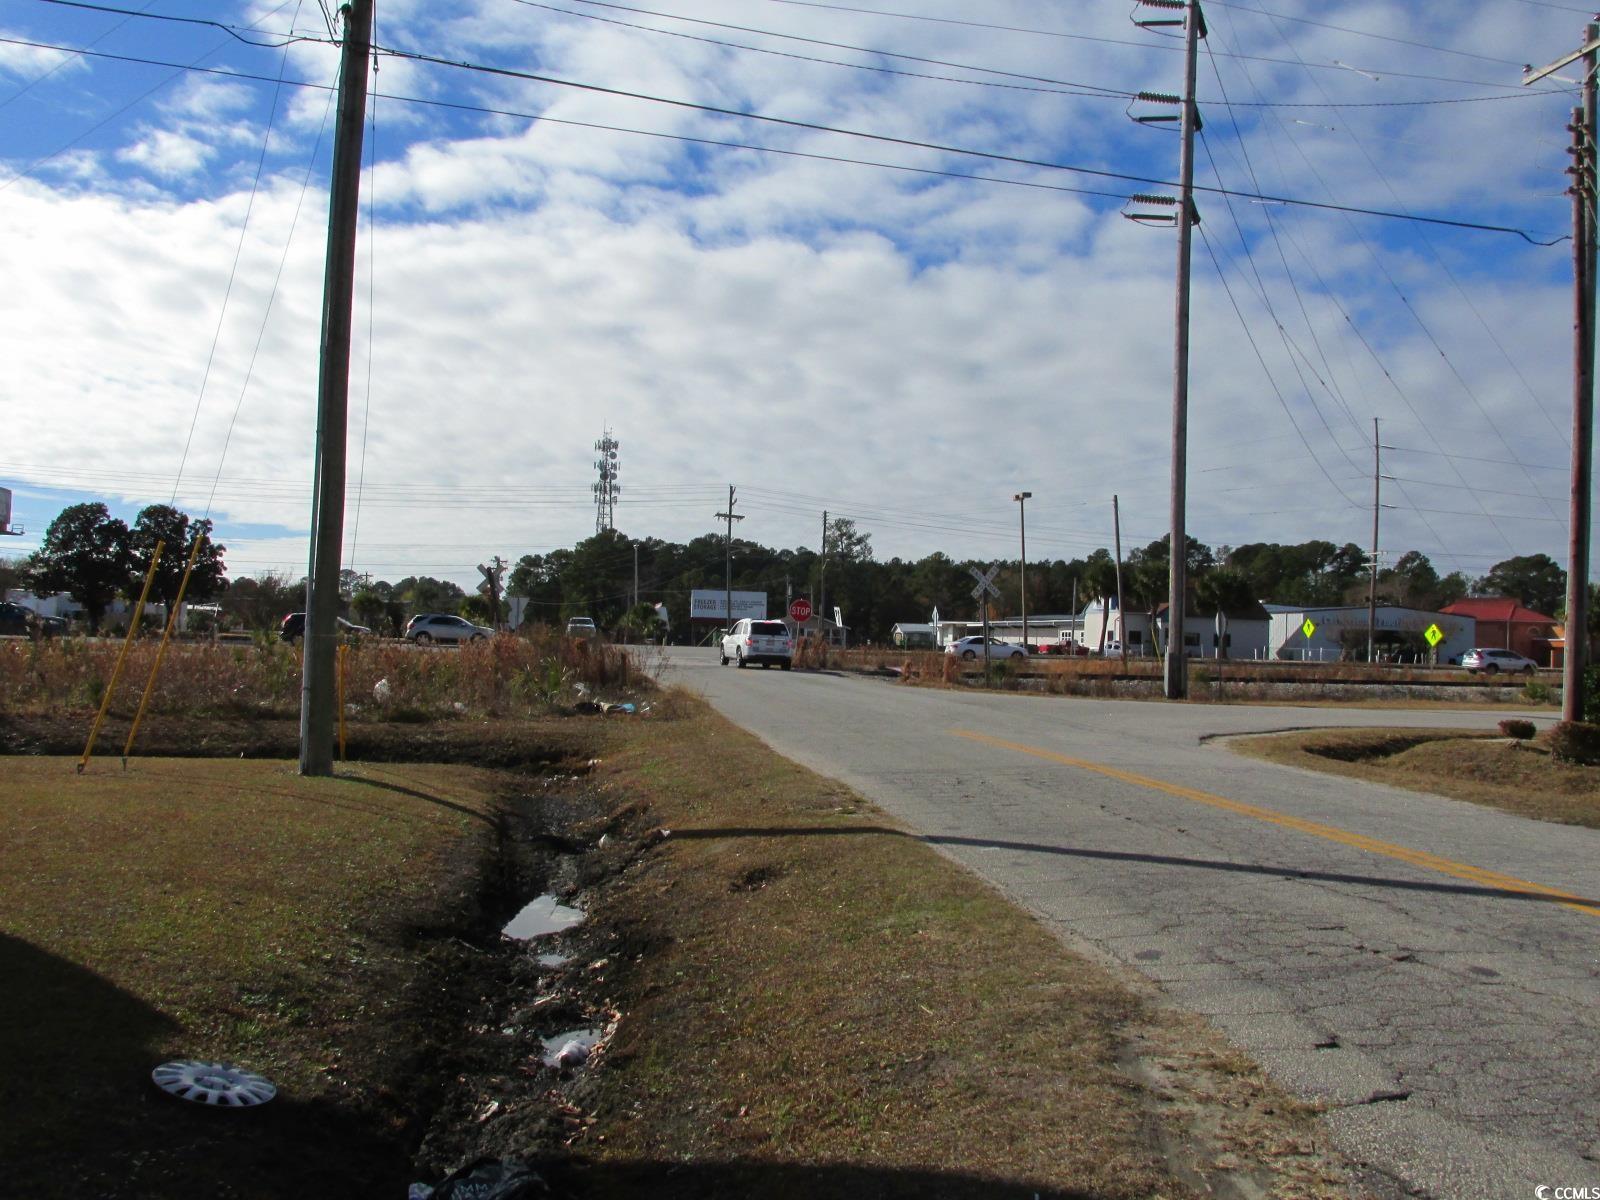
x=985 y=582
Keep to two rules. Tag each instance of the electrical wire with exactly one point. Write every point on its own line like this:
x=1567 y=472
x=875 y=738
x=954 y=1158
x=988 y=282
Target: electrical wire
x=62 y=62
x=1084 y=37
x=1065 y=88
x=231 y=30
x=1017 y=160
x=233 y=274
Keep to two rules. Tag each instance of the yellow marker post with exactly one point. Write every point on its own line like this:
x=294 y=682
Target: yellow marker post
x=127 y=644
x=161 y=651
x=342 y=649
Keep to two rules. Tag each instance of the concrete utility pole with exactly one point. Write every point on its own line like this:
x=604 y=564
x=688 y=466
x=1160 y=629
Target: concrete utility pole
x=1116 y=538
x=1372 y=579
x=1176 y=675
x=1585 y=130
x=317 y=700
x=1022 y=499
x=730 y=517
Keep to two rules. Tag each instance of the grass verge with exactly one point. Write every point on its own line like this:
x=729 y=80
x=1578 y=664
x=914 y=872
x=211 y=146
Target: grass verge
x=1519 y=777
x=228 y=910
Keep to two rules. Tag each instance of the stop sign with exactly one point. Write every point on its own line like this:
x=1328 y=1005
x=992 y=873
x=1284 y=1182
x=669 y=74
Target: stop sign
x=800 y=610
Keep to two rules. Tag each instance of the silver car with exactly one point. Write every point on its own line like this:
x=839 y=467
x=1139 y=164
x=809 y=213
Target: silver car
x=1491 y=661
x=425 y=628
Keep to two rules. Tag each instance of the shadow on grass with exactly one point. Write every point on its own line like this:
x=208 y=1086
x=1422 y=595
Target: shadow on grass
x=665 y=1180
x=80 y=1116
x=1165 y=860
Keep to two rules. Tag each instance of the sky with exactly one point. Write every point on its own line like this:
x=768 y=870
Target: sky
x=904 y=329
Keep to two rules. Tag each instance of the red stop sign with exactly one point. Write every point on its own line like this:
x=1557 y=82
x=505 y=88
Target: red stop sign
x=800 y=610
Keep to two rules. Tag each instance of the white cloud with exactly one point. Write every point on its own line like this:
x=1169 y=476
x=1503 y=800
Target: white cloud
x=905 y=348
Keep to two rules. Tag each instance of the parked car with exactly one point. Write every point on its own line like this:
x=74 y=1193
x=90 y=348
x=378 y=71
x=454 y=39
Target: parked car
x=582 y=627
x=972 y=647
x=17 y=619
x=293 y=629
x=764 y=642
x=52 y=627
x=443 y=627
x=1492 y=662
x=1135 y=649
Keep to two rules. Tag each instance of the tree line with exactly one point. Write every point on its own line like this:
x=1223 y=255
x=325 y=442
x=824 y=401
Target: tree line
x=95 y=558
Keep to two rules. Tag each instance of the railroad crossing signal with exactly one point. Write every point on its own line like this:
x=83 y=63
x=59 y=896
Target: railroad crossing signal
x=1434 y=634
x=1308 y=628
x=985 y=582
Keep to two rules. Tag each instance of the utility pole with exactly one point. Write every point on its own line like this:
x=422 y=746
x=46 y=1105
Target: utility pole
x=635 y=575
x=1372 y=579
x=318 y=706
x=1176 y=676
x=730 y=517
x=822 y=583
x=1585 y=130
x=1022 y=499
x=1116 y=537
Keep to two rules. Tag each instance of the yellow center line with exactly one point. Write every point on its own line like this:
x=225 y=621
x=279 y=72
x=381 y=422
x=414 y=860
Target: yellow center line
x=1417 y=858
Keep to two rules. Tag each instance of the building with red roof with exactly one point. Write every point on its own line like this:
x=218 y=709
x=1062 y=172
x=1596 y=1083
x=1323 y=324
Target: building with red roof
x=1505 y=624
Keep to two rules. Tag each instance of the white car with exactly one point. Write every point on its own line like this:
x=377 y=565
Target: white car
x=972 y=647
x=1492 y=662
x=582 y=627
x=764 y=642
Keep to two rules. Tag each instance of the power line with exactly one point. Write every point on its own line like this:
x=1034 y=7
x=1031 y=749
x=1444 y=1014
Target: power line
x=1095 y=88
x=230 y=30
x=817 y=127
x=1066 y=86
x=1084 y=37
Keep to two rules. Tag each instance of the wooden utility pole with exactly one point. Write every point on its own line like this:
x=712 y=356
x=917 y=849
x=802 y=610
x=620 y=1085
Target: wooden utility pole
x=1585 y=130
x=1372 y=578
x=1122 y=623
x=318 y=703
x=730 y=517
x=1176 y=675
x=1022 y=499
x=1584 y=237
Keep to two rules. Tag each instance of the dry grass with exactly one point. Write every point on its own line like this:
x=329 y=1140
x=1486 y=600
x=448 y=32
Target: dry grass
x=830 y=991
x=505 y=675
x=1519 y=777
x=211 y=909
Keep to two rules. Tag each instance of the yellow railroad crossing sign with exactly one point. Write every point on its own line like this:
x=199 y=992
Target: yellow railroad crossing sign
x=1308 y=628
x=1434 y=634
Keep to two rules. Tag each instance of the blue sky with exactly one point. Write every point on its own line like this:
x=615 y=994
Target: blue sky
x=905 y=348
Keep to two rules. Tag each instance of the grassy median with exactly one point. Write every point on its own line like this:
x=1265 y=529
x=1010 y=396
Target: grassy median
x=1518 y=776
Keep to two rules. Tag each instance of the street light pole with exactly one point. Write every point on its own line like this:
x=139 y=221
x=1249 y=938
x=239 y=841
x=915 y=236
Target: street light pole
x=1022 y=499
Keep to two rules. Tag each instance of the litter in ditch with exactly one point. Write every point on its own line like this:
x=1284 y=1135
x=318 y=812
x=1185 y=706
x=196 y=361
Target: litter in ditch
x=542 y=917
x=565 y=1051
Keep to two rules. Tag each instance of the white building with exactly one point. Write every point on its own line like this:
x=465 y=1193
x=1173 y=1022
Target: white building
x=1341 y=630
x=1237 y=633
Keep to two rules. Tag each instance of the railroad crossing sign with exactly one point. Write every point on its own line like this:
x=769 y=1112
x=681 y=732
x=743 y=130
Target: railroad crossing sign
x=1434 y=634
x=1308 y=628
x=985 y=582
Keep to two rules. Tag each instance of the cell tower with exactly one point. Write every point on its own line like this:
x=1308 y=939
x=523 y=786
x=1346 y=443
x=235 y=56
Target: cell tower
x=608 y=489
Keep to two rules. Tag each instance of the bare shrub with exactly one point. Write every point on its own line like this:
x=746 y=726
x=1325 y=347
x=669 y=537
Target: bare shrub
x=1575 y=742
x=1514 y=727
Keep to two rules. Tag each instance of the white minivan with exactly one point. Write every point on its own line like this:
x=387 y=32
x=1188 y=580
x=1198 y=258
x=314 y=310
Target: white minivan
x=764 y=642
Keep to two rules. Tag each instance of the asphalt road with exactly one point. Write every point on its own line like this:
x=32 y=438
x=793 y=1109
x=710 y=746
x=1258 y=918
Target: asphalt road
x=1428 y=969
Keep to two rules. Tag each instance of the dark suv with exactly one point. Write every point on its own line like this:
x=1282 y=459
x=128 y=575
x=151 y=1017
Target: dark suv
x=17 y=620
x=294 y=629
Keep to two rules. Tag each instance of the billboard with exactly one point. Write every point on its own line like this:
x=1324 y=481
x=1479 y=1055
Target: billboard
x=708 y=605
